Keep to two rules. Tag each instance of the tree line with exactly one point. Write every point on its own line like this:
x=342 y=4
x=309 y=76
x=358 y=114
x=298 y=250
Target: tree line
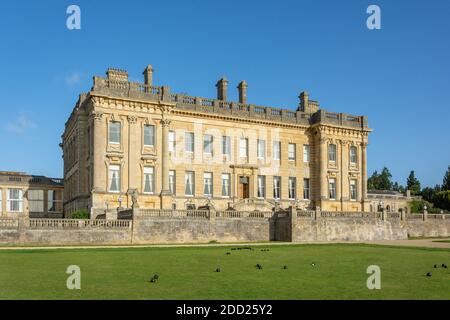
x=436 y=198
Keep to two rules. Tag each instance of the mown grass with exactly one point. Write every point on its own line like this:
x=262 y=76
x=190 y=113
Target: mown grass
x=189 y=273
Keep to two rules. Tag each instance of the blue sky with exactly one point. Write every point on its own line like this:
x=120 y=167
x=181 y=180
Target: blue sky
x=398 y=76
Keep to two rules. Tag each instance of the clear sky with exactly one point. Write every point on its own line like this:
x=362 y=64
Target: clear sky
x=398 y=76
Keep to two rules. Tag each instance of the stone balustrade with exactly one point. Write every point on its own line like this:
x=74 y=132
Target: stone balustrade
x=77 y=224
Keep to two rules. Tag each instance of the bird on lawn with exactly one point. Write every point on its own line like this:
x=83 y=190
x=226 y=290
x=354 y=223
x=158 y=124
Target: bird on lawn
x=154 y=278
x=444 y=266
x=429 y=274
x=258 y=266
x=313 y=264
x=218 y=270
x=285 y=267
x=435 y=266
x=228 y=253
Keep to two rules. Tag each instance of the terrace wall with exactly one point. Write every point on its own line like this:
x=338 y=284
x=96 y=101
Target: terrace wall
x=197 y=226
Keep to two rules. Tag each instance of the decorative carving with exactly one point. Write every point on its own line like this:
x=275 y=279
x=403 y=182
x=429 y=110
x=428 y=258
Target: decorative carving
x=96 y=115
x=165 y=122
x=132 y=119
x=134 y=198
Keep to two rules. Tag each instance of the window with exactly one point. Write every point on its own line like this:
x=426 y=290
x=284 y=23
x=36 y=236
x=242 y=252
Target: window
x=207 y=184
x=305 y=153
x=261 y=186
x=189 y=183
x=332 y=153
x=276 y=187
x=54 y=201
x=1 y=200
x=208 y=143
x=353 y=190
x=114 y=132
x=276 y=150
x=353 y=156
x=292 y=186
x=171 y=141
x=189 y=141
x=36 y=200
x=243 y=148
x=149 y=180
x=172 y=181
x=306 y=189
x=261 y=149
x=226 y=145
x=149 y=135
x=15 y=200
x=332 y=189
x=114 y=178
x=226 y=185
x=291 y=151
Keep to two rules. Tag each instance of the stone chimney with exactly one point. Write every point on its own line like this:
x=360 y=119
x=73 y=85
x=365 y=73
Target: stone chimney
x=222 y=86
x=117 y=74
x=148 y=75
x=304 y=99
x=242 y=87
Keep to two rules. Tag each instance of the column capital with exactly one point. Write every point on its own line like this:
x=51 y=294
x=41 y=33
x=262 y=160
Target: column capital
x=165 y=122
x=96 y=115
x=132 y=119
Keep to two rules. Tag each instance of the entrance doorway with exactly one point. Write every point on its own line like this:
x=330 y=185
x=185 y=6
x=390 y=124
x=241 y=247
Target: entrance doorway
x=243 y=187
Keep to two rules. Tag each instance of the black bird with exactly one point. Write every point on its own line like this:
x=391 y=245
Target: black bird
x=228 y=253
x=154 y=278
x=218 y=270
x=444 y=266
x=435 y=266
x=429 y=274
x=285 y=267
x=258 y=266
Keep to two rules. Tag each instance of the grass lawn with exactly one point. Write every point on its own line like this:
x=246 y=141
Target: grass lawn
x=189 y=273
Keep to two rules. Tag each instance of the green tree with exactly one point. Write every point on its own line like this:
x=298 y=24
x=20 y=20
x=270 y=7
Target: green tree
x=380 y=181
x=442 y=200
x=446 y=182
x=413 y=184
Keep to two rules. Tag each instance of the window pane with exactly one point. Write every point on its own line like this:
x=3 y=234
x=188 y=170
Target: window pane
x=207 y=143
x=243 y=145
x=172 y=182
x=261 y=186
x=292 y=184
x=171 y=141
x=306 y=153
x=189 y=141
x=291 y=151
x=226 y=185
x=261 y=149
x=149 y=181
x=114 y=132
x=189 y=183
x=276 y=187
x=36 y=200
x=332 y=152
x=276 y=150
x=149 y=135
x=207 y=182
x=332 y=189
x=306 y=189
x=353 y=156
x=226 y=145
x=114 y=178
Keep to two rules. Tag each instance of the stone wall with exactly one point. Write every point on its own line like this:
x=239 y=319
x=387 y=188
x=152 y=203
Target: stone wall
x=203 y=227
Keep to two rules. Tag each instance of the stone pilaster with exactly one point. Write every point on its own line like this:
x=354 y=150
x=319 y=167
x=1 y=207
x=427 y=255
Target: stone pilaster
x=165 y=190
x=99 y=148
x=323 y=165
x=363 y=174
x=133 y=152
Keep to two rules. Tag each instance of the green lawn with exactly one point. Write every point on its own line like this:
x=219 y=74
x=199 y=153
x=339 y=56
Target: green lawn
x=189 y=273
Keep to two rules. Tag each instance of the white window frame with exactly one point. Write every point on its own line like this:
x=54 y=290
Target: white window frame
x=53 y=203
x=32 y=201
x=190 y=174
x=276 y=150
x=332 y=152
x=332 y=188
x=355 y=155
x=172 y=181
x=306 y=189
x=111 y=169
x=208 y=184
x=10 y=200
x=110 y=123
x=306 y=153
x=277 y=186
x=261 y=149
x=226 y=186
x=353 y=190
x=208 y=143
x=149 y=172
x=189 y=147
x=292 y=188
x=226 y=145
x=292 y=153
x=243 y=147
x=261 y=187
x=151 y=136
x=172 y=141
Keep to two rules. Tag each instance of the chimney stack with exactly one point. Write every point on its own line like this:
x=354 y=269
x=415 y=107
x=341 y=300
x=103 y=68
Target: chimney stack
x=304 y=97
x=242 y=87
x=148 y=75
x=222 y=86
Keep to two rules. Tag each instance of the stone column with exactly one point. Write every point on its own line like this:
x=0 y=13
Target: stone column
x=133 y=152
x=99 y=149
x=363 y=174
x=317 y=213
x=293 y=217
x=425 y=213
x=165 y=192
x=323 y=165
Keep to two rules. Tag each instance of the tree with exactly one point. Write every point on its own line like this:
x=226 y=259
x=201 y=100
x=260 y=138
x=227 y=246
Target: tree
x=442 y=199
x=413 y=184
x=446 y=182
x=380 y=181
